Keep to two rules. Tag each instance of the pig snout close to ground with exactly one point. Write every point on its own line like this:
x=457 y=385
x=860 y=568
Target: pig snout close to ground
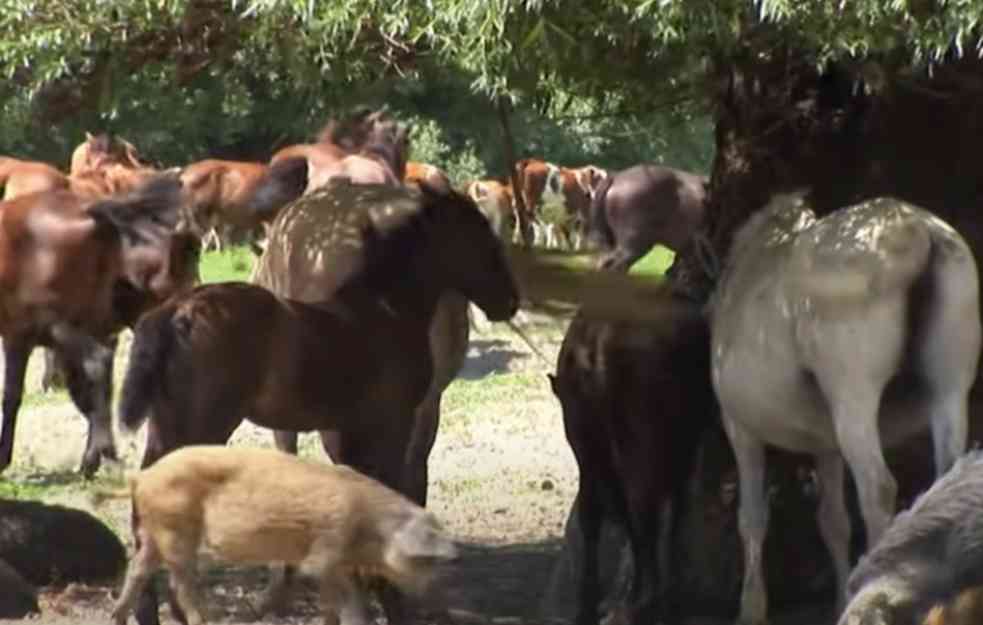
x=261 y=506
x=928 y=565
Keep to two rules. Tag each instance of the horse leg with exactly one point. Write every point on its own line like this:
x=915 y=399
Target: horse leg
x=286 y=441
x=425 y=423
x=834 y=520
x=53 y=375
x=89 y=365
x=16 y=352
x=587 y=533
x=752 y=520
x=855 y=418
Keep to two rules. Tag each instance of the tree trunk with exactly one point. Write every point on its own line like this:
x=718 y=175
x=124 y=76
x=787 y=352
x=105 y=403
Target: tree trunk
x=508 y=146
x=782 y=125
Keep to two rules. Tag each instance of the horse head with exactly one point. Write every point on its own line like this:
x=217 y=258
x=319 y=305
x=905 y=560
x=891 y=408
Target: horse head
x=468 y=251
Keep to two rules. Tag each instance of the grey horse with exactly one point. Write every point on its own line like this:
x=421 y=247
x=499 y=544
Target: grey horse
x=838 y=337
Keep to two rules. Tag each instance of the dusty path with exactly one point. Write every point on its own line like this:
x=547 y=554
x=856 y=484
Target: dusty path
x=502 y=480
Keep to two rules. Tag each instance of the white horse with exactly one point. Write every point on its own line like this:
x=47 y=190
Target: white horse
x=839 y=337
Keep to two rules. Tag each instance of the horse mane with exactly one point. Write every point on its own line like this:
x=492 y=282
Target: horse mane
x=158 y=199
x=784 y=212
x=349 y=133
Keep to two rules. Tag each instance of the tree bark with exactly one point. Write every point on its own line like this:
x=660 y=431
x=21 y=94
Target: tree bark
x=508 y=147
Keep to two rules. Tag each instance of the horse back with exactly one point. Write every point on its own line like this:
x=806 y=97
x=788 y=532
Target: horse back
x=639 y=395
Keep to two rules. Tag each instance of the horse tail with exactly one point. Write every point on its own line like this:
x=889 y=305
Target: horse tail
x=283 y=182
x=598 y=229
x=153 y=341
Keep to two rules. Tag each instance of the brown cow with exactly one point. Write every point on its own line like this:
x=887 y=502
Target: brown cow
x=495 y=200
x=255 y=506
x=543 y=185
x=429 y=174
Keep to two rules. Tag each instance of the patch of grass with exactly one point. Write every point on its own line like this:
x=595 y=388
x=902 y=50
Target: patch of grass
x=231 y=264
x=655 y=263
x=464 y=398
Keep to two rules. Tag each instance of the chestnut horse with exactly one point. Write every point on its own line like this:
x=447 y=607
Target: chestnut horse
x=383 y=250
x=218 y=192
x=98 y=151
x=74 y=272
x=369 y=147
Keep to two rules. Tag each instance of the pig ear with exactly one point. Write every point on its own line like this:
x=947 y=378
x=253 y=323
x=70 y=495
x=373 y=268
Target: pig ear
x=422 y=538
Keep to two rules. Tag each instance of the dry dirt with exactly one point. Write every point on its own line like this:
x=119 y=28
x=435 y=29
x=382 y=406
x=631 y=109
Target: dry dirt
x=502 y=480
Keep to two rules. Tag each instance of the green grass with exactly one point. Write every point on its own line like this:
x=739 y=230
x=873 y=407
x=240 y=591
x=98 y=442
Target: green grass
x=655 y=263
x=231 y=264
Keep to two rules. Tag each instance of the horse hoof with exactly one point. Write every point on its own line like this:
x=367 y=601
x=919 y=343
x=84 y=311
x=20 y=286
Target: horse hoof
x=89 y=466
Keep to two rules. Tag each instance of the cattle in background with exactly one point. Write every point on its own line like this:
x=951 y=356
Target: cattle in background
x=637 y=208
x=636 y=401
x=430 y=175
x=497 y=203
x=557 y=199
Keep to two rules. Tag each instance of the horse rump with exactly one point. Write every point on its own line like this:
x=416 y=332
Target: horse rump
x=599 y=230
x=283 y=182
x=154 y=338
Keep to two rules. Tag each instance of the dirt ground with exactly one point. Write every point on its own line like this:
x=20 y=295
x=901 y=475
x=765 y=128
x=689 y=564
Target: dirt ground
x=502 y=481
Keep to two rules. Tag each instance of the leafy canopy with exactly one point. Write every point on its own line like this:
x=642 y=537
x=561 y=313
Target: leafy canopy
x=510 y=46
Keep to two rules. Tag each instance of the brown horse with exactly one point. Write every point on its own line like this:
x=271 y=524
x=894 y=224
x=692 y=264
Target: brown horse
x=218 y=192
x=366 y=148
x=19 y=177
x=73 y=273
x=382 y=252
x=634 y=209
x=98 y=151
x=636 y=399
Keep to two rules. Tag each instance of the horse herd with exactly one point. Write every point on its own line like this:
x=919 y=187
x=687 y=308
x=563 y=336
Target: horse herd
x=837 y=336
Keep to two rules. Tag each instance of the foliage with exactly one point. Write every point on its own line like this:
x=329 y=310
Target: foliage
x=231 y=264
x=621 y=81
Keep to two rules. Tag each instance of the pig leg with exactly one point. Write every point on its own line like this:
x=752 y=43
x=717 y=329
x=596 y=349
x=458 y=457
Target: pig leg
x=145 y=563
x=282 y=576
x=180 y=555
x=342 y=602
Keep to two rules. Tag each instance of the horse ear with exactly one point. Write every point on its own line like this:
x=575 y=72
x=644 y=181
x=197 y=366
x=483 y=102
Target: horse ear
x=554 y=384
x=130 y=151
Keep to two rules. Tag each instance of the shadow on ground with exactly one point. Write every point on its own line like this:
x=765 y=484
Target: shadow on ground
x=487 y=356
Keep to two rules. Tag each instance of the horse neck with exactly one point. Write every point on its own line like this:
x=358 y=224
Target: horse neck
x=411 y=293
